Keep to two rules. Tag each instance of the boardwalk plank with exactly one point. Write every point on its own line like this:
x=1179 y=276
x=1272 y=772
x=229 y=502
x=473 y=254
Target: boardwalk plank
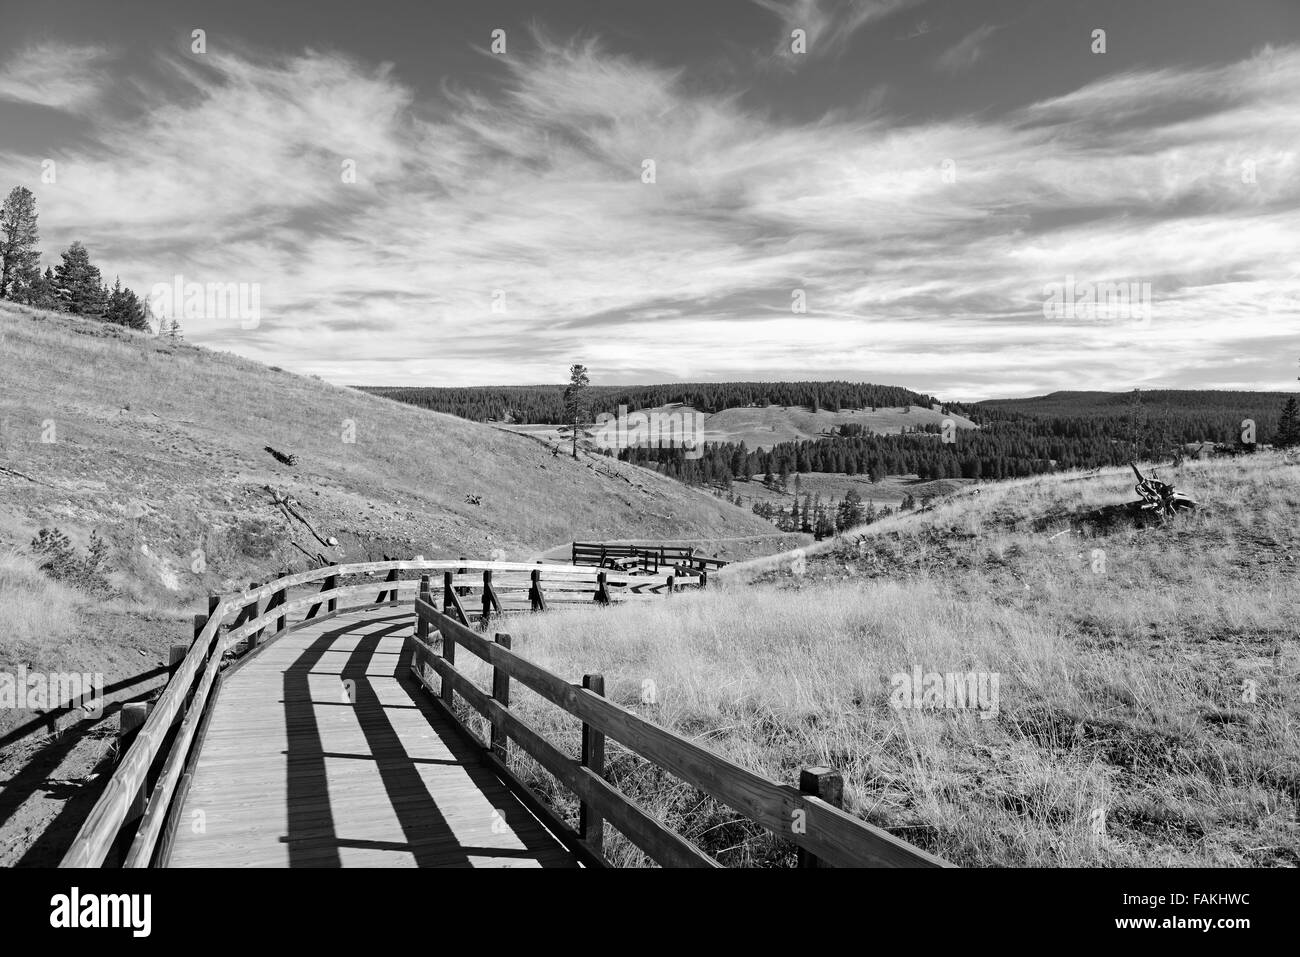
x=321 y=752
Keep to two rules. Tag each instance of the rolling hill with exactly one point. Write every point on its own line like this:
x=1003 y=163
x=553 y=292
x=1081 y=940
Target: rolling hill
x=1146 y=703
x=160 y=449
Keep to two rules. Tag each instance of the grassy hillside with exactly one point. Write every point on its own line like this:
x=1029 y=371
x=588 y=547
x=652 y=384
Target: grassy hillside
x=159 y=448
x=1149 y=701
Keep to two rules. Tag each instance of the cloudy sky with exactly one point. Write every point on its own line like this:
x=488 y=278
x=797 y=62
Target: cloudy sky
x=416 y=207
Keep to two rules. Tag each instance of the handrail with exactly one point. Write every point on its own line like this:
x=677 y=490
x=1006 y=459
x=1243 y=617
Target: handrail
x=194 y=677
x=812 y=824
x=98 y=832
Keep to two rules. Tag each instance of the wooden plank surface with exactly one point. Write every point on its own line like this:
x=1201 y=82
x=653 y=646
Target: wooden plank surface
x=322 y=752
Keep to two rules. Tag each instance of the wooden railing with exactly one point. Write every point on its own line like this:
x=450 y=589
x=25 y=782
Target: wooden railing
x=809 y=816
x=137 y=812
x=650 y=559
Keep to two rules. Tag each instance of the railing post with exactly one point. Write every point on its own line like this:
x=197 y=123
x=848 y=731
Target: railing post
x=449 y=656
x=487 y=595
x=591 y=826
x=704 y=578
x=501 y=693
x=827 y=785
x=177 y=652
x=282 y=622
x=421 y=623
x=537 y=595
x=602 y=589
x=129 y=720
x=464 y=589
x=253 y=610
x=670 y=586
x=602 y=556
x=331 y=583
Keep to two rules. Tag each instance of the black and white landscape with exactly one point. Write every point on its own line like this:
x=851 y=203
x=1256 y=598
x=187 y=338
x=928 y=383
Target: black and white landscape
x=766 y=433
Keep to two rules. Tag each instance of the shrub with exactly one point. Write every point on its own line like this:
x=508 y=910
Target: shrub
x=57 y=557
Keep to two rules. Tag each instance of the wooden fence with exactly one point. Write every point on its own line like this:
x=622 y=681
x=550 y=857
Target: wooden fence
x=650 y=559
x=136 y=814
x=809 y=816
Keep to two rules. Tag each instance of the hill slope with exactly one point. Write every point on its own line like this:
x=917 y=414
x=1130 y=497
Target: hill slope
x=163 y=446
x=1148 y=693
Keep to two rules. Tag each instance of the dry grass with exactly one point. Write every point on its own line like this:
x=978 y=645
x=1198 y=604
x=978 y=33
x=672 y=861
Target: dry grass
x=1121 y=692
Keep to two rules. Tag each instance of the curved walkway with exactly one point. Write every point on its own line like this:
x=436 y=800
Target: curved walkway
x=323 y=752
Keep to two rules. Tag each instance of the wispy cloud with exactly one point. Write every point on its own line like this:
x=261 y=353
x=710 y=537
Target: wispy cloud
x=966 y=52
x=56 y=75
x=923 y=249
x=828 y=24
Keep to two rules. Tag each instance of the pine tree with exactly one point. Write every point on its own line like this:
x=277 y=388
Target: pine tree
x=79 y=284
x=174 y=331
x=42 y=294
x=124 y=308
x=575 y=400
x=20 y=260
x=1288 y=425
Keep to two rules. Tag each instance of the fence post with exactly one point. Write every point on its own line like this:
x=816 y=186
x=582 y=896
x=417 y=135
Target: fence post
x=602 y=589
x=827 y=785
x=176 y=654
x=449 y=656
x=501 y=693
x=129 y=721
x=282 y=622
x=487 y=595
x=331 y=583
x=670 y=586
x=464 y=589
x=590 y=824
x=254 y=610
x=537 y=595
x=422 y=623
x=704 y=579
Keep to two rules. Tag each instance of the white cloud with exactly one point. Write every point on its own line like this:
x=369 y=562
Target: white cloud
x=233 y=175
x=966 y=52
x=57 y=75
x=829 y=24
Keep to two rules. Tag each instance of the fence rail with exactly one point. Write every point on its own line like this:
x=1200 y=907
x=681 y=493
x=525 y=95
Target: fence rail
x=135 y=814
x=809 y=816
x=650 y=559
x=135 y=817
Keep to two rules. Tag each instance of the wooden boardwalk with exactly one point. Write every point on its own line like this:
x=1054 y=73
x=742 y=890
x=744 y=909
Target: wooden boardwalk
x=323 y=752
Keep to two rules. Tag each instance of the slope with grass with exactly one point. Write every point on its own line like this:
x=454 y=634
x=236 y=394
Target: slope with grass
x=1149 y=678
x=160 y=449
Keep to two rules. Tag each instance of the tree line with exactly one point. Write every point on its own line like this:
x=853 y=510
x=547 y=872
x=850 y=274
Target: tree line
x=547 y=404
x=1007 y=444
x=73 y=285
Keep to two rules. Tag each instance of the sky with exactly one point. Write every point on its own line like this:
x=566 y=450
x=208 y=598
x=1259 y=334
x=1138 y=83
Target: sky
x=891 y=191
